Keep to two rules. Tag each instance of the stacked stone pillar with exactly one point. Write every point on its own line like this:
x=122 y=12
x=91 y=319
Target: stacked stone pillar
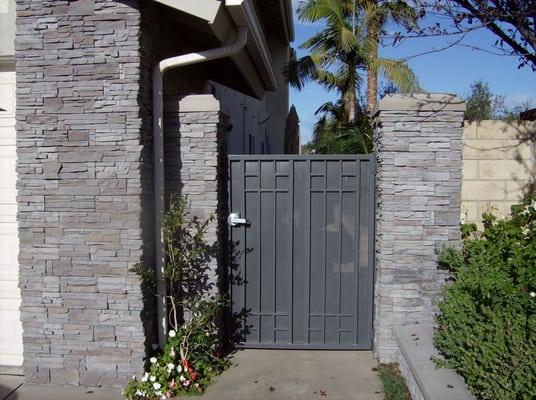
x=419 y=166
x=196 y=167
x=83 y=148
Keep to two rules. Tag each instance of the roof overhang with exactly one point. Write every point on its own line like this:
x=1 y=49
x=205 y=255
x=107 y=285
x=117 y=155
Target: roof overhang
x=286 y=12
x=255 y=62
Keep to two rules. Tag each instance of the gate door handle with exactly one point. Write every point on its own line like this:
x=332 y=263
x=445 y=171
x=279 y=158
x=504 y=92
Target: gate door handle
x=235 y=220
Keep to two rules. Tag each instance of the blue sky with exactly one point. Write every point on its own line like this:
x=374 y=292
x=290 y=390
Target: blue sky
x=451 y=71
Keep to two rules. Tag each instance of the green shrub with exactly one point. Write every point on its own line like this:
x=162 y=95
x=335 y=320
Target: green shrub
x=487 y=326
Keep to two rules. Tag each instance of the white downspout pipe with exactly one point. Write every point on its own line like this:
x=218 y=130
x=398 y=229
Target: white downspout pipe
x=158 y=147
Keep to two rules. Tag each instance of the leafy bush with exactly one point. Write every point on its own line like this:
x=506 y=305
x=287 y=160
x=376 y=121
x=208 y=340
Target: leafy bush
x=333 y=134
x=191 y=357
x=487 y=326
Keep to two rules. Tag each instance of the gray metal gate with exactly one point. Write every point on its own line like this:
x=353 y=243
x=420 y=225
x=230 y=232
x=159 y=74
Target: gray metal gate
x=303 y=237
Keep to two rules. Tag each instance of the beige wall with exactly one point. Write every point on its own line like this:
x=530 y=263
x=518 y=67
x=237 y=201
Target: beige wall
x=496 y=166
x=7 y=28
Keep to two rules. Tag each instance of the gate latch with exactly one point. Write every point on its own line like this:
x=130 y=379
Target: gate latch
x=235 y=220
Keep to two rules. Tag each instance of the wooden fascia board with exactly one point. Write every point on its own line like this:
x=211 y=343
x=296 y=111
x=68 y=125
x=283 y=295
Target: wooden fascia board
x=243 y=14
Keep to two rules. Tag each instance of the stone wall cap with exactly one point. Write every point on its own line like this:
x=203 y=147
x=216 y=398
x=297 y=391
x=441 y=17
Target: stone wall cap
x=199 y=103
x=420 y=102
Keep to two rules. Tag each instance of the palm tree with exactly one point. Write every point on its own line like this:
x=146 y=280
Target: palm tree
x=376 y=14
x=339 y=53
x=336 y=52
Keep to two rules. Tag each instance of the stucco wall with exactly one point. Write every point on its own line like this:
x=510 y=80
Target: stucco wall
x=247 y=116
x=7 y=28
x=498 y=160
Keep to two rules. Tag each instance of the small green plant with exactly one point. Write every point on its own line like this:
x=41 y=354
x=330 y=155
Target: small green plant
x=487 y=326
x=394 y=386
x=191 y=355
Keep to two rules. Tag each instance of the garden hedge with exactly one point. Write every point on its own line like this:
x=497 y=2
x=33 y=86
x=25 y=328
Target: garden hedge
x=487 y=326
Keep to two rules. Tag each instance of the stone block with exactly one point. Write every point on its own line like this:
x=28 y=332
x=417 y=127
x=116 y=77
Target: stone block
x=515 y=190
x=484 y=149
x=470 y=169
x=503 y=169
x=483 y=190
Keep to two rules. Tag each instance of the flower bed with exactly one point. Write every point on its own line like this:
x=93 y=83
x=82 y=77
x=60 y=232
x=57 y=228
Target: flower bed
x=191 y=356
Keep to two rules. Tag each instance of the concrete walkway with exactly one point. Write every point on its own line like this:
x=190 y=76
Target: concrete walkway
x=254 y=375
x=298 y=375
x=11 y=388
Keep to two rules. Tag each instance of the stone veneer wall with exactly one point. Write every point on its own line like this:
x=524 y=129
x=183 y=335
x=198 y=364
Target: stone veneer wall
x=418 y=152
x=195 y=166
x=498 y=161
x=83 y=184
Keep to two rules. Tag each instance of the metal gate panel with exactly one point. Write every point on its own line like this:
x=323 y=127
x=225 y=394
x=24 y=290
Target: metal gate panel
x=302 y=267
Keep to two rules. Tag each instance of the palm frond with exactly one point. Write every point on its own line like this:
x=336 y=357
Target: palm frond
x=397 y=72
x=300 y=71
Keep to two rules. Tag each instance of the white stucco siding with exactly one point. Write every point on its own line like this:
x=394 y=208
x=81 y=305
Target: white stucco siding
x=10 y=325
x=250 y=133
x=7 y=28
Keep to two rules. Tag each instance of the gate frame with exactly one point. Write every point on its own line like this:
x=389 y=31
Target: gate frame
x=372 y=197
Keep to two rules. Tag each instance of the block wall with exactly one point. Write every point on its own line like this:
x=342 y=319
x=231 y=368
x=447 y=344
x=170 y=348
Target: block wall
x=498 y=161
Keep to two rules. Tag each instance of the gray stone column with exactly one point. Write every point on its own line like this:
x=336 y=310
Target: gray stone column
x=419 y=167
x=196 y=165
x=83 y=147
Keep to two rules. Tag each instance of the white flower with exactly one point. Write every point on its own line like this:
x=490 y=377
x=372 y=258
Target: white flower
x=179 y=369
x=152 y=378
x=172 y=333
x=207 y=334
x=145 y=377
x=182 y=378
x=139 y=393
x=157 y=386
x=186 y=383
x=532 y=294
x=172 y=353
x=163 y=397
x=152 y=360
x=158 y=393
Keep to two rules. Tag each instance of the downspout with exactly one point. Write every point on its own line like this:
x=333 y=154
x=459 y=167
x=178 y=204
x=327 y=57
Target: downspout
x=158 y=147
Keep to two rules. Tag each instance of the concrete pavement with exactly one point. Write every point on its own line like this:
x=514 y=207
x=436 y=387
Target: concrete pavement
x=298 y=375
x=254 y=375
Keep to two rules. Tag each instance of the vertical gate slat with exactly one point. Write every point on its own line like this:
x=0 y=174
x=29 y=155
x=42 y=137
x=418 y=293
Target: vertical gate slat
x=357 y=239
x=244 y=238
x=340 y=255
x=274 y=168
x=372 y=235
x=291 y=224
x=307 y=324
x=259 y=252
x=325 y=235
